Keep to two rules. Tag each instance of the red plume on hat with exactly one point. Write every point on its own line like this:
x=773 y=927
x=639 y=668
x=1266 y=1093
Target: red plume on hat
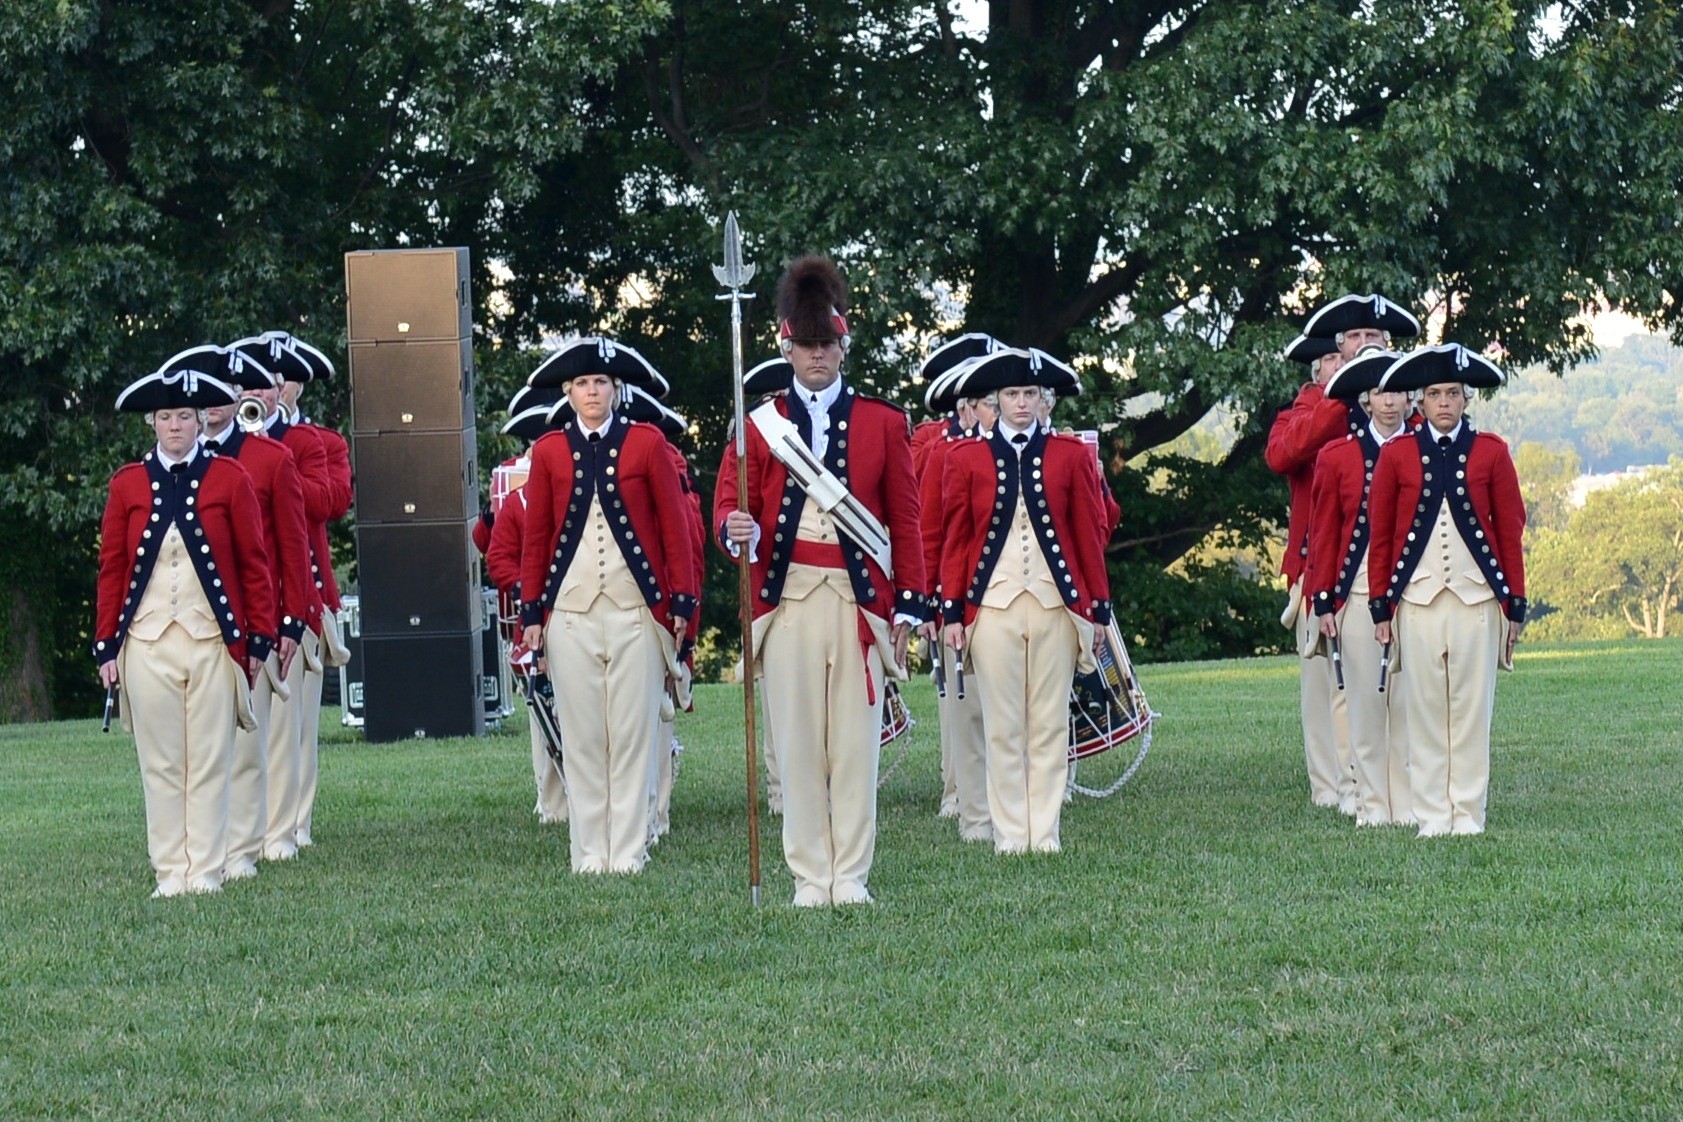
x=812 y=300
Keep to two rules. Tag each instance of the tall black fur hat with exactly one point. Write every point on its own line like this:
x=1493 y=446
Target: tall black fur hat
x=811 y=301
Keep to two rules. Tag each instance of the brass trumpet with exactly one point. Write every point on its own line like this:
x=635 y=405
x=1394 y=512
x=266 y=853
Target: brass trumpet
x=250 y=415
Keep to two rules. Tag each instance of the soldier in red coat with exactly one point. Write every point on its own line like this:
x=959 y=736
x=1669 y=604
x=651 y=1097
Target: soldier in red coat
x=608 y=557
x=333 y=652
x=837 y=582
x=964 y=784
x=962 y=746
x=507 y=537
x=287 y=707
x=280 y=496
x=1446 y=581
x=1333 y=336
x=1337 y=577
x=185 y=618
x=1024 y=592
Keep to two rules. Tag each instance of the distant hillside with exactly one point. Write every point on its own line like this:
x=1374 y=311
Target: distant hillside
x=1624 y=409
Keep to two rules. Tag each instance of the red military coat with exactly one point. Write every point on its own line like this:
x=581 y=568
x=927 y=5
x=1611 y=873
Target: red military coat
x=311 y=459
x=869 y=450
x=1475 y=475
x=340 y=494
x=280 y=496
x=1062 y=483
x=932 y=513
x=214 y=505
x=926 y=437
x=1296 y=438
x=502 y=552
x=631 y=470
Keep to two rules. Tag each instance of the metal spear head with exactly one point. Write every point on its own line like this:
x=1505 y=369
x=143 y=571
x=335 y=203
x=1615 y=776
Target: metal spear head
x=733 y=273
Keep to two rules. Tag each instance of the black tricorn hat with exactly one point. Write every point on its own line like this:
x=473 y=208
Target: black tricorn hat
x=637 y=406
x=1347 y=313
x=812 y=300
x=530 y=397
x=1307 y=348
x=1447 y=362
x=950 y=354
x=642 y=407
x=1361 y=374
x=250 y=365
x=188 y=380
x=770 y=376
x=593 y=354
x=1015 y=367
x=942 y=396
x=272 y=352
x=319 y=365
x=529 y=423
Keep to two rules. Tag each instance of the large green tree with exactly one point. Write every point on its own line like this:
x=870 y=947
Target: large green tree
x=1153 y=189
x=1616 y=568
x=183 y=171
x=1158 y=190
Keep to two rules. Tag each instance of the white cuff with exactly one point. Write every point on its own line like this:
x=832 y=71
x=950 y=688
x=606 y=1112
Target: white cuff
x=753 y=546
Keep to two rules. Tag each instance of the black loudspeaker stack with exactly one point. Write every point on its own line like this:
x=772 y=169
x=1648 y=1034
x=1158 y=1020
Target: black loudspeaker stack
x=413 y=444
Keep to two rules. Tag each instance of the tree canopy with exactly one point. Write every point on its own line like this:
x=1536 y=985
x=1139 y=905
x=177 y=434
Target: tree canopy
x=1156 y=190
x=1616 y=568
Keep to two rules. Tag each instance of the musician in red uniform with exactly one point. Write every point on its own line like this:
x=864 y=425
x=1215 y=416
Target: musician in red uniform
x=185 y=619
x=286 y=713
x=1333 y=336
x=961 y=718
x=280 y=497
x=333 y=652
x=1446 y=582
x=607 y=555
x=830 y=622
x=964 y=783
x=502 y=562
x=1023 y=587
x=1337 y=577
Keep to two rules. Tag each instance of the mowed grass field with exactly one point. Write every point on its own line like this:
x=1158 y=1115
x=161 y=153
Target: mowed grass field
x=1208 y=945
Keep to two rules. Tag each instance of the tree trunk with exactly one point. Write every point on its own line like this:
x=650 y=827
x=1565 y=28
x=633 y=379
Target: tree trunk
x=24 y=694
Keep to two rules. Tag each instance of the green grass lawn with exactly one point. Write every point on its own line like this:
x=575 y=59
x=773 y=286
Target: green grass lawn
x=1207 y=946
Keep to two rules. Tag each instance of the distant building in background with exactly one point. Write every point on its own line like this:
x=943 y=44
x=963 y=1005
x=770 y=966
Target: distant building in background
x=1586 y=485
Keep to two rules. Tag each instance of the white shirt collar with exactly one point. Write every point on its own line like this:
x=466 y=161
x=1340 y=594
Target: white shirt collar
x=1453 y=434
x=603 y=431
x=163 y=457
x=219 y=437
x=1007 y=432
x=826 y=396
x=272 y=420
x=1378 y=438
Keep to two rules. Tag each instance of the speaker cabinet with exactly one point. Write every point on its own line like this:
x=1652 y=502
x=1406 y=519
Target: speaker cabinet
x=418 y=579
x=411 y=387
x=423 y=686
x=416 y=477
x=400 y=295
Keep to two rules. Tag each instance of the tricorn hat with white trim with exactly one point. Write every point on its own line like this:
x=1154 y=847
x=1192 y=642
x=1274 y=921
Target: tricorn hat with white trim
x=1307 y=348
x=1361 y=374
x=1015 y=367
x=770 y=376
x=950 y=354
x=188 y=380
x=530 y=397
x=943 y=394
x=1447 y=362
x=594 y=354
x=530 y=423
x=317 y=363
x=1348 y=313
